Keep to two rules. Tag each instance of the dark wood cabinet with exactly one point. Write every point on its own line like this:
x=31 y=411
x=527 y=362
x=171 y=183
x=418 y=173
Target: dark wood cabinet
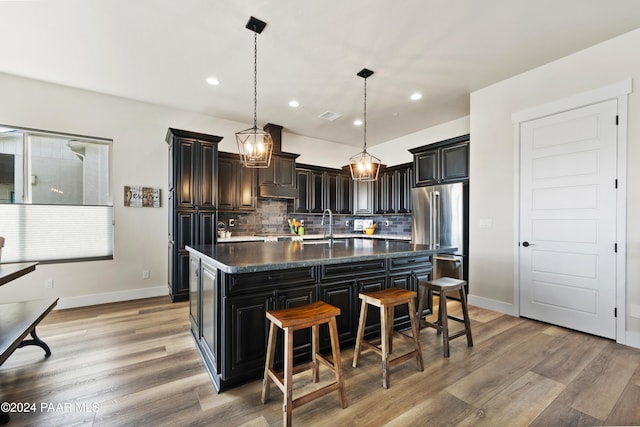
x=345 y=194
x=442 y=162
x=341 y=281
x=192 y=196
x=245 y=339
x=236 y=184
x=204 y=310
x=323 y=188
x=228 y=319
x=406 y=273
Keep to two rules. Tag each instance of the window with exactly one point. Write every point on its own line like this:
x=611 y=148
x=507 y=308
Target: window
x=55 y=200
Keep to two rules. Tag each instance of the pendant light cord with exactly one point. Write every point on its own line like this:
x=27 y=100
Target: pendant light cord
x=255 y=78
x=365 y=114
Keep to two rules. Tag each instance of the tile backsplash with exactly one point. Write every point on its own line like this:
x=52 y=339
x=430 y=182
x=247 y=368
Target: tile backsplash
x=271 y=215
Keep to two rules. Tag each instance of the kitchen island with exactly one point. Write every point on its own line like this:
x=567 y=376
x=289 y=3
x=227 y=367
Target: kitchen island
x=232 y=285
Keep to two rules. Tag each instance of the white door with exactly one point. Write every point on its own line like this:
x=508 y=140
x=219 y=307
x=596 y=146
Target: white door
x=568 y=219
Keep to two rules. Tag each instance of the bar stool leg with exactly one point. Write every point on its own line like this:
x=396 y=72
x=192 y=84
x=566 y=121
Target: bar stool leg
x=422 y=296
x=444 y=323
x=271 y=351
x=360 y=334
x=415 y=327
x=288 y=377
x=390 y=316
x=465 y=316
x=314 y=351
x=337 y=363
x=384 y=342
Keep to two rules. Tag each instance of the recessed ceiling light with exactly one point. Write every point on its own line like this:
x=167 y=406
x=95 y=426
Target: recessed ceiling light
x=294 y=104
x=213 y=81
x=415 y=96
x=357 y=122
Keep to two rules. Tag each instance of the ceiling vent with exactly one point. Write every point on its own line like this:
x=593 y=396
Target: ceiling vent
x=329 y=115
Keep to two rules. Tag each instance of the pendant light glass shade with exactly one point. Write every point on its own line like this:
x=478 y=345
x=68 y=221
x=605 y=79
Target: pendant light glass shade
x=255 y=145
x=364 y=166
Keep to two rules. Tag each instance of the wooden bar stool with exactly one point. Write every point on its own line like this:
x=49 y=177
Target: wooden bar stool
x=444 y=286
x=387 y=300
x=290 y=320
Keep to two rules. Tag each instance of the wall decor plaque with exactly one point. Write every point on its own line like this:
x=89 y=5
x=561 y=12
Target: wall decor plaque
x=137 y=196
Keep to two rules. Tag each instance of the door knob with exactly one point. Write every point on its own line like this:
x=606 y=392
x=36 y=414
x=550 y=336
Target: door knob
x=527 y=244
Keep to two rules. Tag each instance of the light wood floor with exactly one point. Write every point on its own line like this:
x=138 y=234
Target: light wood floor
x=135 y=363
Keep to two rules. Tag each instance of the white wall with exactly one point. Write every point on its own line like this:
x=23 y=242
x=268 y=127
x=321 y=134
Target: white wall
x=492 y=167
x=139 y=157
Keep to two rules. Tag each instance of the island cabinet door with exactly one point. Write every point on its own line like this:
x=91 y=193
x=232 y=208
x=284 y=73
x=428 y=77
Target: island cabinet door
x=408 y=279
x=245 y=334
x=209 y=307
x=343 y=295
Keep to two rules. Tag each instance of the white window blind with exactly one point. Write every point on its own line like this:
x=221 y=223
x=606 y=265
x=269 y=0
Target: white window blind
x=56 y=232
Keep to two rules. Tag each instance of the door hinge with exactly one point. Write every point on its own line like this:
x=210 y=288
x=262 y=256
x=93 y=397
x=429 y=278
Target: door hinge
x=615 y=247
x=616 y=183
x=615 y=311
x=617 y=118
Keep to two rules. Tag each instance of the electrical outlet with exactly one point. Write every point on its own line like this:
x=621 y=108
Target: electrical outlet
x=48 y=284
x=232 y=222
x=347 y=224
x=145 y=274
x=302 y=223
x=387 y=223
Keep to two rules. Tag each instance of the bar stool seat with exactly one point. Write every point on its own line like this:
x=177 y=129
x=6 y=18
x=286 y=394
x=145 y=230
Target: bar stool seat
x=290 y=320
x=444 y=286
x=387 y=300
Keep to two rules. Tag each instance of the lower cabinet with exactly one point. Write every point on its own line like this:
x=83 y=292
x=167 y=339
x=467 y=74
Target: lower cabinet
x=246 y=335
x=229 y=324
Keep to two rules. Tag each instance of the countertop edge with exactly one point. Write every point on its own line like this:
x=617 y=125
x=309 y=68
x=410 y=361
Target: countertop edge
x=313 y=262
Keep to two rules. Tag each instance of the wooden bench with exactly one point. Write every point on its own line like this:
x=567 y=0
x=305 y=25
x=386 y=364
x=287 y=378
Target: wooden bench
x=19 y=319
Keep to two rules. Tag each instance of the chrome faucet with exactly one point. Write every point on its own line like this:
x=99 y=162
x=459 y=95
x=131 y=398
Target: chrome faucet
x=330 y=225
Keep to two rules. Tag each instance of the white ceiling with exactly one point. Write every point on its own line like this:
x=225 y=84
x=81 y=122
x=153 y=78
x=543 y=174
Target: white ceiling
x=161 y=51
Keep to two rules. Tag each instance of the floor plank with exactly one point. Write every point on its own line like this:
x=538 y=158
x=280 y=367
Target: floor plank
x=136 y=363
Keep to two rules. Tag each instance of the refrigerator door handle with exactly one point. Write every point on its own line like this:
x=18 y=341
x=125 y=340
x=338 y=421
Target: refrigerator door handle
x=431 y=222
x=436 y=218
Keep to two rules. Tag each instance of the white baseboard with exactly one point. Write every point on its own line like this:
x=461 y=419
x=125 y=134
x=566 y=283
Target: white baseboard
x=493 y=305
x=107 y=297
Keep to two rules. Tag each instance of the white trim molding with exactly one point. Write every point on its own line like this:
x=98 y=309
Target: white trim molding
x=107 y=297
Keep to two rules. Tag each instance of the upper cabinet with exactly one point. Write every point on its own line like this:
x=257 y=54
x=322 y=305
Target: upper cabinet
x=393 y=190
x=236 y=184
x=192 y=170
x=322 y=188
x=442 y=162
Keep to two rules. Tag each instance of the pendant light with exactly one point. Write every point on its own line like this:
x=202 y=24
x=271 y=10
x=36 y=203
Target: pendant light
x=364 y=166
x=255 y=145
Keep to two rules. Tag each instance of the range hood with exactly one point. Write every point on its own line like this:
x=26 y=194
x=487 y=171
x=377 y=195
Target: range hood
x=268 y=179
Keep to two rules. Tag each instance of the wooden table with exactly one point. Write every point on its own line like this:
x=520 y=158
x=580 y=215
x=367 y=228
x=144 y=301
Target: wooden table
x=19 y=319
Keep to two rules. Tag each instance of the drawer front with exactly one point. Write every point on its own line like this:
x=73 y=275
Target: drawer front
x=268 y=280
x=410 y=263
x=352 y=269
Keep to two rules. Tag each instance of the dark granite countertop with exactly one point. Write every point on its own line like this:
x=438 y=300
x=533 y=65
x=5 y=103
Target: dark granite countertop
x=249 y=257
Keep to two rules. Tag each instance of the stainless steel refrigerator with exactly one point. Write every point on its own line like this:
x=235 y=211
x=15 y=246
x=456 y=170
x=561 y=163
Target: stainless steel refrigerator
x=441 y=218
